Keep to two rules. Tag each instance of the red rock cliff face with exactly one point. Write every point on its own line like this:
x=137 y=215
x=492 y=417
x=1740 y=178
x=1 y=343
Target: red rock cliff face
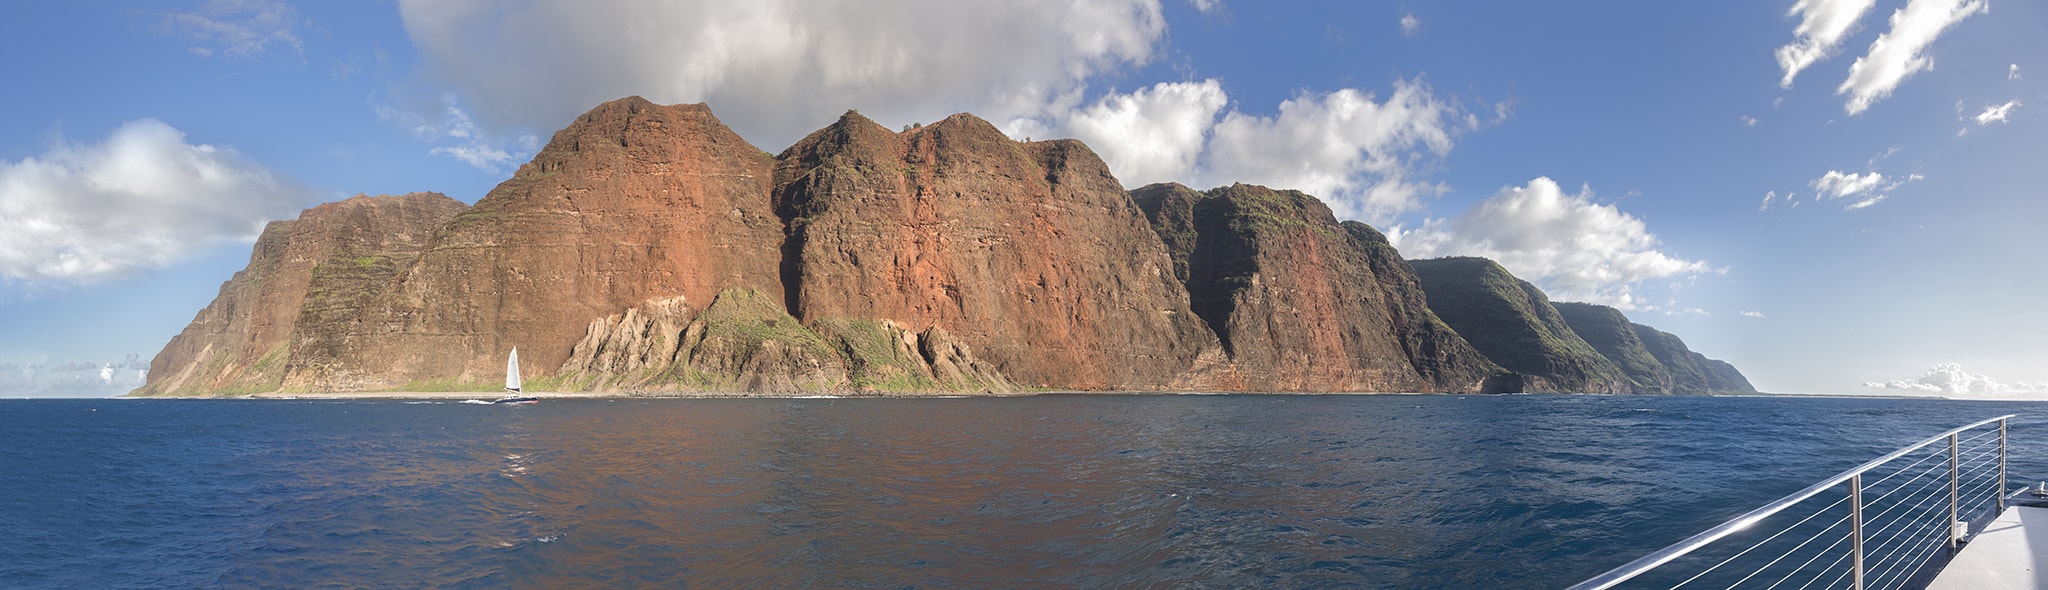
x=1031 y=253
x=300 y=270
x=632 y=201
x=1299 y=300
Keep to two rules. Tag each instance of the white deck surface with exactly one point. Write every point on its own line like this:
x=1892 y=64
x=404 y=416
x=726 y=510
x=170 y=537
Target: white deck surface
x=2011 y=553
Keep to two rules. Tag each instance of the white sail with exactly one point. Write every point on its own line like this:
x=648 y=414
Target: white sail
x=512 y=371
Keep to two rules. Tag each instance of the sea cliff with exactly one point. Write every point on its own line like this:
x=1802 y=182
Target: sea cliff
x=649 y=249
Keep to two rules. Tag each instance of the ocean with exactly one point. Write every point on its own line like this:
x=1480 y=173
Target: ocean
x=1226 y=491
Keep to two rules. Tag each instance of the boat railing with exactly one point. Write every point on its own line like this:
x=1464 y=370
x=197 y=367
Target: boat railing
x=1887 y=524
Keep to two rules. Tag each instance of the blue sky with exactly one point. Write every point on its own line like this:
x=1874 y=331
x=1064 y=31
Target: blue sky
x=1613 y=152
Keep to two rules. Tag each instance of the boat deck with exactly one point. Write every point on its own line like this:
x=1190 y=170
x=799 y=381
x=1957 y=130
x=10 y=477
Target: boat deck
x=2010 y=553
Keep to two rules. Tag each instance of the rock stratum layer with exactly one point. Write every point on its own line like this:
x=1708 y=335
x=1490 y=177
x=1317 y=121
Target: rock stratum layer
x=648 y=248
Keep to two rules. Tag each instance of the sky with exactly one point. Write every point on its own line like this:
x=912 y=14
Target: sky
x=1837 y=196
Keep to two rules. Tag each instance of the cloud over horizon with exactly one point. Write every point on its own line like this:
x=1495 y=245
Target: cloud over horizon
x=1951 y=379
x=1574 y=248
x=144 y=198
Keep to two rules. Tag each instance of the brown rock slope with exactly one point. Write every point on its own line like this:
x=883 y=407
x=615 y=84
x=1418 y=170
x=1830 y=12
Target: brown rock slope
x=1030 y=253
x=272 y=313
x=1513 y=324
x=632 y=201
x=1300 y=302
x=745 y=342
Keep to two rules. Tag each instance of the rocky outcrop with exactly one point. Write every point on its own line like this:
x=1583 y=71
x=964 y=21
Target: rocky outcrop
x=1615 y=337
x=303 y=276
x=1299 y=302
x=1029 y=252
x=744 y=342
x=1514 y=325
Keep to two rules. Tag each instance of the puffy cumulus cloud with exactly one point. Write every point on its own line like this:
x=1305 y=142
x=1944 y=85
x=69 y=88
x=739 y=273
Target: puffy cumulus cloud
x=1574 y=248
x=2013 y=74
x=1152 y=135
x=1951 y=379
x=1897 y=54
x=1835 y=184
x=1822 y=26
x=1996 y=113
x=142 y=199
x=1359 y=154
x=776 y=69
x=1410 y=25
x=237 y=28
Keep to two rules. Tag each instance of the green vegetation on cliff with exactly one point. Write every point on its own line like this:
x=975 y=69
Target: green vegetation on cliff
x=1611 y=333
x=1513 y=323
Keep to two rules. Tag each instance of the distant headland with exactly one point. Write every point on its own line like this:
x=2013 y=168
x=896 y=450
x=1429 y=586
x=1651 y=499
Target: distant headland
x=648 y=249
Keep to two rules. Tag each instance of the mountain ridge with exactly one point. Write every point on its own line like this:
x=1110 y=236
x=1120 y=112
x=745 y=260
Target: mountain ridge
x=648 y=248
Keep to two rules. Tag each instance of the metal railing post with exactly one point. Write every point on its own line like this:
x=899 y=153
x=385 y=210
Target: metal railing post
x=1857 y=537
x=1954 y=474
x=1998 y=500
x=1856 y=530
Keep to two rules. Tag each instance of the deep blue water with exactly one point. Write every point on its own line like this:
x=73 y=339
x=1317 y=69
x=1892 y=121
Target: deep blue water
x=1087 y=491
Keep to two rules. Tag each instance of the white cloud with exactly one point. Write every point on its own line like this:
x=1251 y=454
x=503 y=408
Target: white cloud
x=1835 y=184
x=237 y=28
x=1207 y=6
x=1410 y=25
x=1152 y=135
x=1896 y=55
x=1360 y=155
x=142 y=199
x=1747 y=121
x=1951 y=379
x=1574 y=248
x=1750 y=314
x=1866 y=202
x=2013 y=74
x=469 y=144
x=1822 y=26
x=1771 y=196
x=1996 y=113
x=777 y=69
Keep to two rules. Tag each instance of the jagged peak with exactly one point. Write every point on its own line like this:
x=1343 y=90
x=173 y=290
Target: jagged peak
x=966 y=124
x=852 y=132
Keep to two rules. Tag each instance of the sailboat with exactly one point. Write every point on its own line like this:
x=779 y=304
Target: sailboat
x=512 y=391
